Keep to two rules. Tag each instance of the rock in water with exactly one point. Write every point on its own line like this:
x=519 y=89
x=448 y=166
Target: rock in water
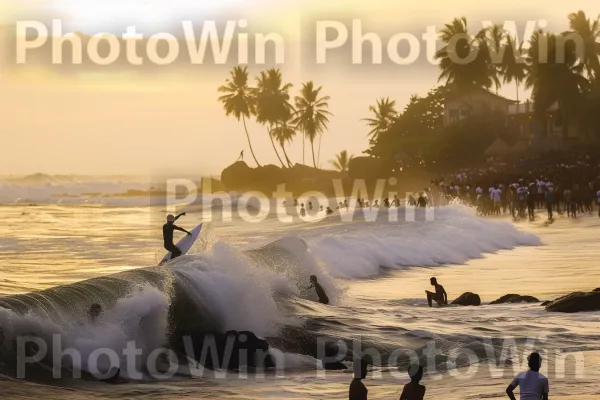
x=576 y=302
x=515 y=298
x=468 y=299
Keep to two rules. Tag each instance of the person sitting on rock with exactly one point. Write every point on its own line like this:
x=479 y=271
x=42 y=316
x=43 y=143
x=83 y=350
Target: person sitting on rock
x=440 y=295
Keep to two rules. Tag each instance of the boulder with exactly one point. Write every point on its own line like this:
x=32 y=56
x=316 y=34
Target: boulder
x=544 y=304
x=468 y=299
x=576 y=302
x=515 y=298
x=236 y=175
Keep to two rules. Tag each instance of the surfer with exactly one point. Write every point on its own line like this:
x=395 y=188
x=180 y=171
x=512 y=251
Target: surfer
x=168 y=230
x=314 y=283
x=440 y=295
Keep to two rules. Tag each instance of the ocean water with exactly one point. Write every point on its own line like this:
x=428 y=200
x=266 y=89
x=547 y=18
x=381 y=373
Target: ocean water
x=374 y=265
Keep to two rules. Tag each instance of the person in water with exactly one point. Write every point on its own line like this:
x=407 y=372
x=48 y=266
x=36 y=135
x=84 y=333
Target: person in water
x=314 y=283
x=358 y=390
x=533 y=384
x=168 y=230
x=95 y=312
x=414 y=390
x=440 y=295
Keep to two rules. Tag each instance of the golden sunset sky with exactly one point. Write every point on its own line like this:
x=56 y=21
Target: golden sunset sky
x=133 y=122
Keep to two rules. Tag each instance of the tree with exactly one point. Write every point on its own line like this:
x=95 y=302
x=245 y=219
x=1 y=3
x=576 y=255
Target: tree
x=312 y=113
x=465 y=60
x=238 y=99
x=589 y=32
x=384 y=114
x=556 y=76
x=513 y=67
x=412 y=132
x=342 y=161
x=272 y=102
x=284 y=133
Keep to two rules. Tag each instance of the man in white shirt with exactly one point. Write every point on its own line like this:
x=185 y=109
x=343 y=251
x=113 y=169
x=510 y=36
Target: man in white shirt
x=534 y=386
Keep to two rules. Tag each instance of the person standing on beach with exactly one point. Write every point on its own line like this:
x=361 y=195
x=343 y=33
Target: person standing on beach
x=358 y=390
x=534 y=386
x=414 y=390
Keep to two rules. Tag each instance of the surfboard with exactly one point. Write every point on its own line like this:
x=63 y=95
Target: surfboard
x=184 y=244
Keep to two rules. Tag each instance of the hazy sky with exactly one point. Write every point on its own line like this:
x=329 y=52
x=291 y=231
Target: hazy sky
x=131 y=122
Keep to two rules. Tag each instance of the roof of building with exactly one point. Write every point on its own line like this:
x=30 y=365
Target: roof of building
x=454 y=94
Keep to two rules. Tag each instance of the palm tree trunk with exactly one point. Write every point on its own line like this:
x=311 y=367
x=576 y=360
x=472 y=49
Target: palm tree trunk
x=312 y=146
x=275 y=149
x=249 y=143
x=303 y=146
x=319 y=155
x=287 y=159
x=517 y=81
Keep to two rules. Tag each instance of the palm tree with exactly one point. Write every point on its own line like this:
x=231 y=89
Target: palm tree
x=589 y=31
x=312 y=113
x=384 y=115
x=238 y=99
x=456 y=61
x=554 y=80
x=492 y=46
x=284 y=133
x=272 y=102
x=342 y=161
x=513 y=67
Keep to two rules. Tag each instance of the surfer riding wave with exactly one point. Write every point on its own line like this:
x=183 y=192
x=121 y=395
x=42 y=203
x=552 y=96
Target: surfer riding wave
x=168 y=230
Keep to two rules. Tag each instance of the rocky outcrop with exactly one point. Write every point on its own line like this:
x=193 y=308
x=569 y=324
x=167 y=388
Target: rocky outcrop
x=515 y=298
x=240 y=177
x=576 y=302
x=468 y=299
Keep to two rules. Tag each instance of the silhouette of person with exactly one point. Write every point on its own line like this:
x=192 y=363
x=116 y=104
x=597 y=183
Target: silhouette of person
x=533 y=384
x=241 y=156
x=94 y=312
x=314 y=283
x=358 y=390
x=440 y=295
x=413 y=390
x=302 y=210
x=168 y=230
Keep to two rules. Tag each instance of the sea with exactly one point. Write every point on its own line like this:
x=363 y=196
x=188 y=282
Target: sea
x=68 y=243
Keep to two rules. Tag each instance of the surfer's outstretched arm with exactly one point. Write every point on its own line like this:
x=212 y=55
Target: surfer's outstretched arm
x=180 y=215
x=180 y=229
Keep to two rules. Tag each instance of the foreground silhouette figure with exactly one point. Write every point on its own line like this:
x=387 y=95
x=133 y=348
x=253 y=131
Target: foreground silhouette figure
x=534 y=386
x=413 y=390
x=440 y=295
x=358 y=390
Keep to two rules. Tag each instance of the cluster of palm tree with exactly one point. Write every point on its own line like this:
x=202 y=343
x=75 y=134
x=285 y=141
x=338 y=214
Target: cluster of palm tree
x=269 y=102
x=561 y=69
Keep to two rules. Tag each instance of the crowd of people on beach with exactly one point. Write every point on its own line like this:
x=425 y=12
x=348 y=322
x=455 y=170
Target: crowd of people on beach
x=571 y=188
